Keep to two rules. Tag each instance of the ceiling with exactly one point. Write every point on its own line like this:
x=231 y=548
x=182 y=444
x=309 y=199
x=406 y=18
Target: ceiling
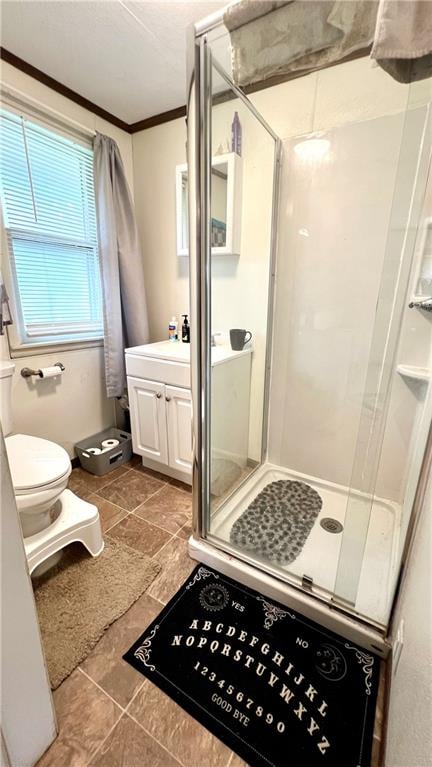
x=126 y=56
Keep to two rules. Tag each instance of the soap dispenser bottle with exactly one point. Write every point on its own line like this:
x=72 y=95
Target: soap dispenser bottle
x=185 y=330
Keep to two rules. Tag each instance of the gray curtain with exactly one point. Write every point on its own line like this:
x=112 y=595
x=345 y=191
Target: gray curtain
x=125 y=309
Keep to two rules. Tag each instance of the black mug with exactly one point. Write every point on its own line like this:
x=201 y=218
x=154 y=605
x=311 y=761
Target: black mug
x=238 y=339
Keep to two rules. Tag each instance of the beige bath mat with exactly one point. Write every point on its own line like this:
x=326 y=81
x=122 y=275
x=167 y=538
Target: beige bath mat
x=79 y=598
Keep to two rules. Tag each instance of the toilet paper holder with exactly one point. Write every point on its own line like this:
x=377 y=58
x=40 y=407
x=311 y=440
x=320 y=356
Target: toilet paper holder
x=28 y=372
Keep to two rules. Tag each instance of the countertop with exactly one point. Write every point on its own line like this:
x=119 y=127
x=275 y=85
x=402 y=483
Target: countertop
x=177 y=351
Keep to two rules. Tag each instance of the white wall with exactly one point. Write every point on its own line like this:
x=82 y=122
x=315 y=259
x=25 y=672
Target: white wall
x=77 y=406
x=156 y=152
x=333 y=226
x=409 y=734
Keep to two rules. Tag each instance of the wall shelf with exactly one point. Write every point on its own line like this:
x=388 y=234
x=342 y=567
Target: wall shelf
x=415 y=372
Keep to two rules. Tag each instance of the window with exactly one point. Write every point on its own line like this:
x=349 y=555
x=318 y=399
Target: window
x=50 y=220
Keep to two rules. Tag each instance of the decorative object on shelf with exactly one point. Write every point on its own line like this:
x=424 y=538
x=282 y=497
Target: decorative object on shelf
x=236 y=135
x=218 y=233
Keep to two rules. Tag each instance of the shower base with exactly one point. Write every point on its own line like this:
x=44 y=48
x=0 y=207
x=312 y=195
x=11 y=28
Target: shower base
x=317 y=563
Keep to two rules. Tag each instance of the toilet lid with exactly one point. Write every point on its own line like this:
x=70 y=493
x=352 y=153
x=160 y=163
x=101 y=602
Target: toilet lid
x=35 y=462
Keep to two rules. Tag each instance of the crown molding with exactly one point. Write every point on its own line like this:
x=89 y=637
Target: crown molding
x=159 y=119
x=45 y=79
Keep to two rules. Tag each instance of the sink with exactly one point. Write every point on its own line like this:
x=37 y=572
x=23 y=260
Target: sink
x=176 y=351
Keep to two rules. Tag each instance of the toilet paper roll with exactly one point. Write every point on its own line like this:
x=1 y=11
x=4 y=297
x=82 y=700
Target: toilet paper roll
x=94 y=450
x=109 y=443
x=50 y=372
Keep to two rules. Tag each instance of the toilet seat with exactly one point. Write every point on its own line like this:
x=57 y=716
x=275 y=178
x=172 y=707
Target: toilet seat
x=35 y=463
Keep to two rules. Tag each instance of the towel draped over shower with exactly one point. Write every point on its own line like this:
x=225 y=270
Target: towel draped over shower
x=403 y=39
x=277 y=39
x=123 y=287
x=282 y=38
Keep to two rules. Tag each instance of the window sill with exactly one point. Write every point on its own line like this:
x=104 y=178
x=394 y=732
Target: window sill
x=36 y=350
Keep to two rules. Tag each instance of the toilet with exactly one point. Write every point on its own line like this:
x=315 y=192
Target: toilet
x=40 y=472
x=51 y=515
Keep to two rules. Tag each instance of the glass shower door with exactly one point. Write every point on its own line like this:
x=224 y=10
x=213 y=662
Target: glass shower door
x=242 y=205
x=240 y=287
x=287 y=463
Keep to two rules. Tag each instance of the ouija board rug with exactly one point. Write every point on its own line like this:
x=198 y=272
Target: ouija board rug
x=275 y=687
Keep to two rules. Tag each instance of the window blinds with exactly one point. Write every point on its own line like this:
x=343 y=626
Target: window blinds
x=49 y=210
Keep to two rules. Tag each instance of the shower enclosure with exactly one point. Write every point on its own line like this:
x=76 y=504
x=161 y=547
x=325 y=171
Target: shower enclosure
x=334 y=207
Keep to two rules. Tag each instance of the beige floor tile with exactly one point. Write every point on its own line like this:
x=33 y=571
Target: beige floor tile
x=85 y=717
x=105 y=664
x=131 y=490
x=168 y=508
x=186 y=531
x=129 y=746
x=171 y=726
x=108 y=512
x=140 y=535
x=176 y=566
x=83 y=483
x=180 y=485
x=165 y=478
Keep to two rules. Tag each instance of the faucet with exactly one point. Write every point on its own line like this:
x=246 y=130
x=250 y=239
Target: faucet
x=213 y=338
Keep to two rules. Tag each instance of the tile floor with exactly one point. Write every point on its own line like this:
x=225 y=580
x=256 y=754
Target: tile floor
x=108 y=714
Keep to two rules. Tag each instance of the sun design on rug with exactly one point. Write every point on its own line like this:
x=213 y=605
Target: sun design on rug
x=214 y=597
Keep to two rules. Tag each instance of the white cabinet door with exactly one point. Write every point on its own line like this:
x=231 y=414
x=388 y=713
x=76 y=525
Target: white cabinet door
x=148 y=418
x=179 y=419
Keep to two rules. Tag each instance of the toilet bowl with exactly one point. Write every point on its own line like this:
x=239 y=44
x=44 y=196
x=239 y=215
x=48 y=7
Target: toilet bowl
x=40 y=471
x=52 y=517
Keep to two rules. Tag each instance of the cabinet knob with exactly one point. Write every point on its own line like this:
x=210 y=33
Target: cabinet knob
x=168 y=399
x=159 y=395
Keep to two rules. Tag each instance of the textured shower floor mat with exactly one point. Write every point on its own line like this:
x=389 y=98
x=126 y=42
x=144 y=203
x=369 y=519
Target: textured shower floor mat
x=272 y=685
x=277 y=523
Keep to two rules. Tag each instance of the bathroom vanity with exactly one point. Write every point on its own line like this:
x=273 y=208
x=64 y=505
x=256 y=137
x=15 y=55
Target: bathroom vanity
x=159 y=381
